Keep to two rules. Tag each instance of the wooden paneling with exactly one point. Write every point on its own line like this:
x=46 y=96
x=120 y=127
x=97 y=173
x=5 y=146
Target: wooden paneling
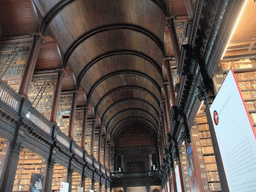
x=17 y=17
x=246 y=28
x=124 y=94
x=135 y=136
x=168 y=43
x=43 y=7
x=120 y=62
x=69 y=82
x=80 y=17
x=127 y=105
x=49 y=57
x=131 y=113
x=136 y=121
x=120 y=80
x=112 y=41
x=177 y=8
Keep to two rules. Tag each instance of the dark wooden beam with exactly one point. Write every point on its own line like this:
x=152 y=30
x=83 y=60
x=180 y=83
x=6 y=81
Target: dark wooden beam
x=102 y=79
x=55 y=10
x=113 y=91
x=131 y=109
x=119 y=52
x=132 y=117
x=102 y=29
x=126 y=99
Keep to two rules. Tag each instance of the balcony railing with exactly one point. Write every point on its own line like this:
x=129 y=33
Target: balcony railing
x=12 y=99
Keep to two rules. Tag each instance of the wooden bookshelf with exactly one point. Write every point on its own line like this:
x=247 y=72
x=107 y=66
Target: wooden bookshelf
x=29 y=162
x=88 y=133
x=102 y=151
x=13 y=59
x=59 y=174
x=76 y=181
x=64 y=113
x=78 y=127
x=96 y=144
x=88 y=183
x=41 y=93
x=207 y=151
x=96 y=187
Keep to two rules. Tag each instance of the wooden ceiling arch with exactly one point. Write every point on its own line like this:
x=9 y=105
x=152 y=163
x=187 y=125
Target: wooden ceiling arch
x=116 y=73
x=119 y=52
x=115 y=52
x=132 y=112
x=102 y=29
x=125 y=100
x=113 y=91
x=52 y=14
x=55 y=10
x=128 y=121
x=126 y=104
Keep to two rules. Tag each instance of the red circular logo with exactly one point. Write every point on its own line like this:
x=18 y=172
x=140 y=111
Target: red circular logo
x=215 y=117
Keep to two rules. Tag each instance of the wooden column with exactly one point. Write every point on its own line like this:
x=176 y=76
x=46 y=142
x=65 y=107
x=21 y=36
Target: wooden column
x=84 y=127
x=174 y=38
x=69 y=177
x=56 y=98
x=170 y=80
x=165 y=118
x=99 y=145
x=100 y=184
x=30 y=67
x=148 y=188
x=105 y=148
x=49 y=174
x=72 y=115
x=92 y=137
x=9 y=174
x=83 y=179
x=174 y=184
x=106 y=185
x=93 y=182
x=190 y=8
x=109 y=158
x=168 y=106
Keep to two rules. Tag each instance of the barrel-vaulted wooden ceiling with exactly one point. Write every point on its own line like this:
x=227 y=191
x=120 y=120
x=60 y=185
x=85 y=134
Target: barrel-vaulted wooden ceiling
x=112 y=50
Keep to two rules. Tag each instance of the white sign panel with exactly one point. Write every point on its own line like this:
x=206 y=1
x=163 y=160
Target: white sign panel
x=178 y=181
x=64 y=186
x=80 y=189
x=236 y=136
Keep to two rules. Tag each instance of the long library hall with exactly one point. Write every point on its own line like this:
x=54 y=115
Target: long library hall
x=127 y=96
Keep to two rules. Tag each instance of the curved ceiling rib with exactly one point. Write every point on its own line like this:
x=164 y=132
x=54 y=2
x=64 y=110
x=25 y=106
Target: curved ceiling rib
x=56 y=9
x=105 y=28
x=119 y=52
x=125 y=87
x=131 y=109
x=124 y=100
x=53 y=13
x=128 y=118
x=128 y=107
x=119 y=73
